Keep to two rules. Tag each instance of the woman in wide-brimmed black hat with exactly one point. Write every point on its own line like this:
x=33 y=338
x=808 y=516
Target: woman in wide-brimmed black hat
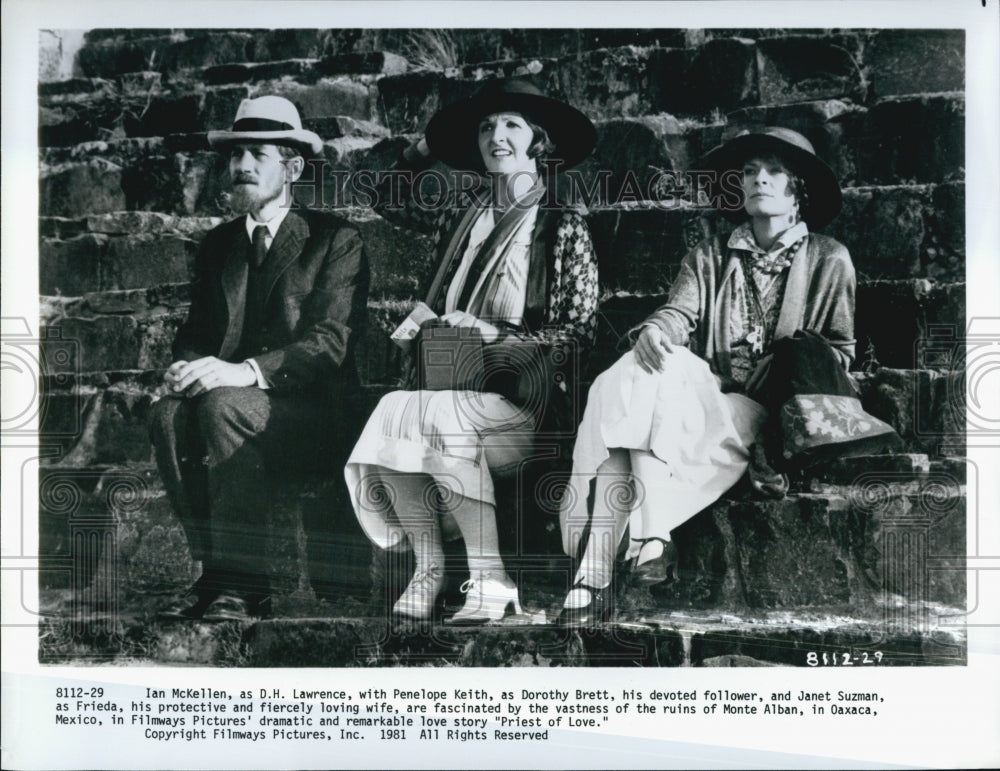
x=523 y=275
x=750 y=353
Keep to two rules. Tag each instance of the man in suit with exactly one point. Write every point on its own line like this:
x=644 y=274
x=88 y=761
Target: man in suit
x=263 y=378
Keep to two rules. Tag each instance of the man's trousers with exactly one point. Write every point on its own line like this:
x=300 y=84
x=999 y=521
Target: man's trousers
x=221 y=453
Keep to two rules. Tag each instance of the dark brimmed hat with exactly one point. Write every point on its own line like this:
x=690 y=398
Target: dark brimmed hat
x=823 y=197
x=271 y=120
x=452 y=134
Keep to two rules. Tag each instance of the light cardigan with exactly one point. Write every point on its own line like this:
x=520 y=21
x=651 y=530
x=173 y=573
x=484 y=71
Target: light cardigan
x=819 y=296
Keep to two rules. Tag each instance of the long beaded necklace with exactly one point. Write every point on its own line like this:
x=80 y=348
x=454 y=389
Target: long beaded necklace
x=773 y=265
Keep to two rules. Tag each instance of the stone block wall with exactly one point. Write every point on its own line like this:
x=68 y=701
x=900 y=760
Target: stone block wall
x=128 y=185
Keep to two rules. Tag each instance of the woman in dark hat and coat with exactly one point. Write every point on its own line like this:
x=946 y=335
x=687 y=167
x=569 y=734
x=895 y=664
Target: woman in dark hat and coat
x=750 y=351
x=521 y=274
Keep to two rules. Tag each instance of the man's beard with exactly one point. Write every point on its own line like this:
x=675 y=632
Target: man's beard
x=248 y=199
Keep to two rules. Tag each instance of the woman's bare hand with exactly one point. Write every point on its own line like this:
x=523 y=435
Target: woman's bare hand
x=487 y=331
x=651 y=349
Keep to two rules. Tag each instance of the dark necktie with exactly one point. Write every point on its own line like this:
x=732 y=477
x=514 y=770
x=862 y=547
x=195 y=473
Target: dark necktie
x=258 y=248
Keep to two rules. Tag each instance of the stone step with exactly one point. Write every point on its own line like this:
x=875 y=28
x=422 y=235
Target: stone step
x=722 y=74
x=912 y=231
x=100 y=417
x=129 y=329
x=113 y=51
x=794 y=62
x=889 y=61
x=154 y=109
x=110 y=529
x=809 y=82
x=339 y=635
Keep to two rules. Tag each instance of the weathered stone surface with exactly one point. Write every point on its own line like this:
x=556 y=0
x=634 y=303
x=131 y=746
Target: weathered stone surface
x=84 y=188
x=917 y=540
x=67 y=123
x=884 y=230
x=407 y=102
x=606 y=83
x=914 y=306
x=121 y=150
x=61 y=227
x=131 y=262
x=401 y=259
x=203 y=179
x=109 y=57
x=798 y=68
x=926 y=407
x=218 y=107
x=337 y=635
x=168 y=114
x=205 y=50
x=916 y=61
x=335 y=126
x=185 y=143
x=793 y=645
x=129 y=301
x=912 y=139
x=944 y=247
x=149 y=222
x=141 y=83
x=302 y=70
x=721 y=75
x=898 y=469
x=121 y=436
x=379 y=359
x=795 y=552
x=653 y=239
x=94 y=262
x=374 y=63
x=63 y=412
x=635 y=157
x=170 y=295
x=282 y=44
x=70 y=267
x=329 y=96
x=157 y=337
x=904 y=231
x=103 y=343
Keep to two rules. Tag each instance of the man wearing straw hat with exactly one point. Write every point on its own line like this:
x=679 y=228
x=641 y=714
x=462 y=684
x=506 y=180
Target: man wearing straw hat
x=263 y=371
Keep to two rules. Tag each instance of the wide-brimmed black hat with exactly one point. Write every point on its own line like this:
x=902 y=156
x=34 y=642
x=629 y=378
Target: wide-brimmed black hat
x=452 y=134
x=823 y=197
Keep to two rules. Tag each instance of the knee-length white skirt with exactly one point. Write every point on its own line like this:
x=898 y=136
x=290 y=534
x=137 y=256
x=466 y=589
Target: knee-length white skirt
x=688 y=443
x=460 y=438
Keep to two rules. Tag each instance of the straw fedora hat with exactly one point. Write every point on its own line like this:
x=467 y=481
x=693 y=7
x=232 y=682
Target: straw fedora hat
x=269 y=119
x=452 y=134
x=823 y=197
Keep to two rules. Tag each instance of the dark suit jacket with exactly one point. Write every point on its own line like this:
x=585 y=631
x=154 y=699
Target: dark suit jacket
x=316 y=278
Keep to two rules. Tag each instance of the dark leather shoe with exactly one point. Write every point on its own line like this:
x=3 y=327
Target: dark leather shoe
x=235 y=607
x=597 y=611
x=656 y=571
x=189 y=607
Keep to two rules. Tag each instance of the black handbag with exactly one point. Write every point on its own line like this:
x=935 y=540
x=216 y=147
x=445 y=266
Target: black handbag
x=449 y=358
x=456 y=359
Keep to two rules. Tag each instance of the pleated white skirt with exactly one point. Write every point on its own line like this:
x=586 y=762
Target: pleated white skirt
x=690 y=443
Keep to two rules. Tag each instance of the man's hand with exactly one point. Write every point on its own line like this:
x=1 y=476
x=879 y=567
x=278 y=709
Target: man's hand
x=651 y=349
x=487 y=331
x=195 y=377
